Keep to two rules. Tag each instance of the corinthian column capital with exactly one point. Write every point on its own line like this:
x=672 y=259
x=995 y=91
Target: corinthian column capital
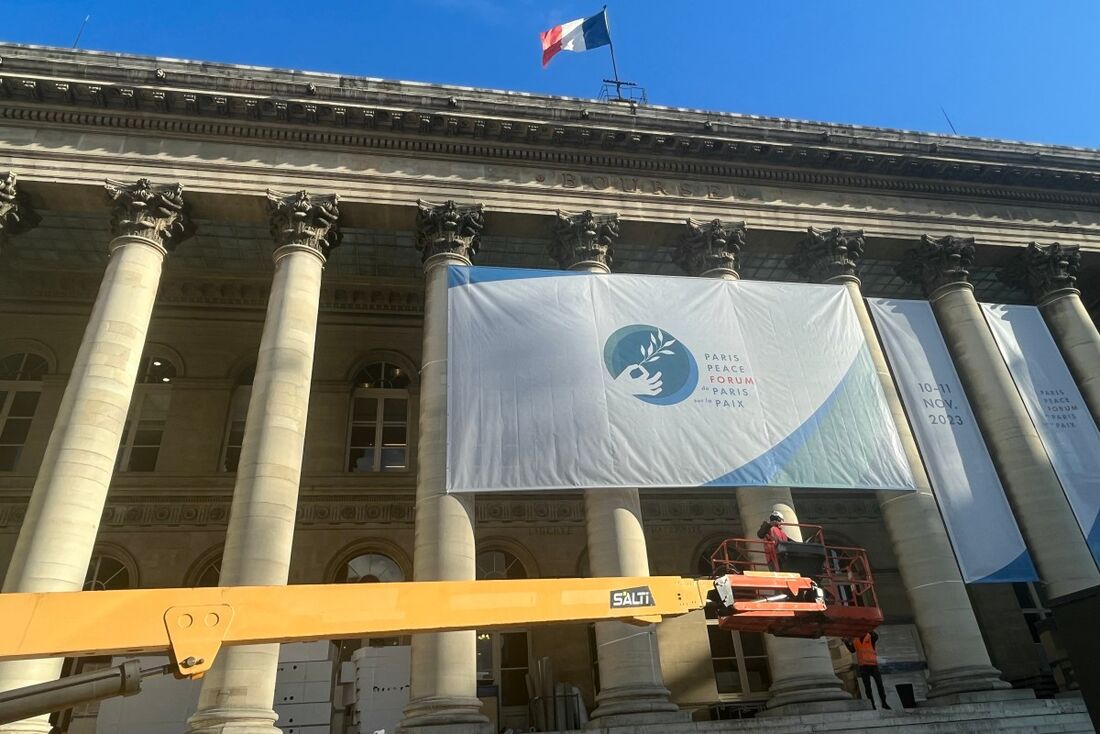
x=305 y=220
x=584 y=239
x=16 y=214
x=825 y=254
x=151 y=211
x=937 y=262
x=1043 y=270
x=448 y=229
x=710 y=248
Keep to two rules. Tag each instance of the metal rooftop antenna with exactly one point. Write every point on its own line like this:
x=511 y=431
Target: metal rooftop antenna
x=635 y=93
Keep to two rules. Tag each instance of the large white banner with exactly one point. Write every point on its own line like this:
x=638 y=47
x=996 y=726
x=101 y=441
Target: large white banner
x=561 y=380
x=979 y=521
x=1056 y=407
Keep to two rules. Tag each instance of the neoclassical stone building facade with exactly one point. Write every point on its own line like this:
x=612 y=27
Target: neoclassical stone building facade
x=222 y=360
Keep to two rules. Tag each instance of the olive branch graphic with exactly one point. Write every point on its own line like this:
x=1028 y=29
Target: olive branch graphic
x=657 y=346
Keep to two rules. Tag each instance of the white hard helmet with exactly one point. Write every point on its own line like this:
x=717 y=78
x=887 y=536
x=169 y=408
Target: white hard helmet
x=776 y=515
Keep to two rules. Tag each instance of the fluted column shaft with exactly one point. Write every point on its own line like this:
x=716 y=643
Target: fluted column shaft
x=1078 y=340
x=632 y=689
x=59 y=529
x=1042 y=511
x=444 y=664
x=801 y=670
x=238 y=693
x=958 y=661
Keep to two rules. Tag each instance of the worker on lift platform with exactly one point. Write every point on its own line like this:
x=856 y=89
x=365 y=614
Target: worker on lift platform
x=771 y=532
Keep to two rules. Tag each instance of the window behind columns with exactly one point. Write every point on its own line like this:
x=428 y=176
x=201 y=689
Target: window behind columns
x=20 y=388
x=378 y=434
x=238 y=411
x=144 y=429
x=503 y=657
x=739 y=659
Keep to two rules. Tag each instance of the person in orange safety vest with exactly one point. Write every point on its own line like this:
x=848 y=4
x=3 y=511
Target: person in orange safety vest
x=867 y=660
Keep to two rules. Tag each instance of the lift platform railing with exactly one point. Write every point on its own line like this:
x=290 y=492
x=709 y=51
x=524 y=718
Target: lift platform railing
x=842 y=573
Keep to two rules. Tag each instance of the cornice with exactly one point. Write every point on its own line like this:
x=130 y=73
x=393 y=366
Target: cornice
x=431 y=121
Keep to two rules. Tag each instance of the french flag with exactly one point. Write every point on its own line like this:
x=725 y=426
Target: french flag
x=576 y=35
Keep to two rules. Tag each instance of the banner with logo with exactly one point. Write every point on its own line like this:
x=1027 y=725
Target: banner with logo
x=979 y=520
x=560 y=380
x=1056 y=407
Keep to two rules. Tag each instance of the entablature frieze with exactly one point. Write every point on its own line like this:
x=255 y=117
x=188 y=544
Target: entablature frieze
x=189 y=508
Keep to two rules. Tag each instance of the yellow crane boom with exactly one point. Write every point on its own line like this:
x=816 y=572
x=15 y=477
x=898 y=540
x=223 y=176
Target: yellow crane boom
x=193 y=624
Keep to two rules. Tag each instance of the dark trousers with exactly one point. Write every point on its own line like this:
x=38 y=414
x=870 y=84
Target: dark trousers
x=866 y=672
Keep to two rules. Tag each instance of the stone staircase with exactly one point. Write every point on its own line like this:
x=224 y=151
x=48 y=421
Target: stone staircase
x=1026 y=716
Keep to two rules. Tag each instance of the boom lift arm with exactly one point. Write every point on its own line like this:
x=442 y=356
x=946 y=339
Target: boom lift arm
x=191 y=625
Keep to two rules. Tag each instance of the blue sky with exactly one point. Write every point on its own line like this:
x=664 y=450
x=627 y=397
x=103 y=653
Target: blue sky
x=1004 y=68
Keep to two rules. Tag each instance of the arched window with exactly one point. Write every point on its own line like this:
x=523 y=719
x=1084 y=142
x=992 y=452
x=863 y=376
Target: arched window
x=207 y=571
x=369 y=568
x=20 y=387
x=144 y=429
x=739 y=659
x=503 y=658
x=106 y=572
x=378 y=435
x=238 y=412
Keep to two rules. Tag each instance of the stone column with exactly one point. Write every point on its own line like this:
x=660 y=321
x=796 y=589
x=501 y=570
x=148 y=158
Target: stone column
x=59 y=530
x=802 y=670
x=957 y=658
x=632 y=691
x=444 y=664
x=238 y=693
x=1049 y=273
x=1038 y=502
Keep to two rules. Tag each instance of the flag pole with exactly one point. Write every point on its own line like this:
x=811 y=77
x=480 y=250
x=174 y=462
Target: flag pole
x=614 y=64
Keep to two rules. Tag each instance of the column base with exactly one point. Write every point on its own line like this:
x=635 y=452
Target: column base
x=965 y=680
x=808 y=689
x=808 y=708
x=635 y=706
x=959 y=699
x=233 y=721
x=445 y=715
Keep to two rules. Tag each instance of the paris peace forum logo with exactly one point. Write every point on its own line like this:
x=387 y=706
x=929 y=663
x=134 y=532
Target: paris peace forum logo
x=650 y=364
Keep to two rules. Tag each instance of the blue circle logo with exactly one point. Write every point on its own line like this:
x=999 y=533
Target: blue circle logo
x=650 y=364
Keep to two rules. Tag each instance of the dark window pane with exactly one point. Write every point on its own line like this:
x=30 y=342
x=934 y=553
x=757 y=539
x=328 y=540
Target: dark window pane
x=11 y=366
x=1023 y=596
x=513 y=650
x=752 y=643
x=759 y=676
x=24 y=404
x=365 y=409
x=232 y=460
x=144 y=458
x=15 y=430
x=393 y=436
x=370 y=376
x=393 y=459
x=147 y=437
x=362 y=436
x=33 y=368
x=236 y=435
x=484 y=656
x=395 y=409
x=157 y=370
x=727 y=676
x=9 y=455
x=721 y=642
x=361 y=460
x=513 y=687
